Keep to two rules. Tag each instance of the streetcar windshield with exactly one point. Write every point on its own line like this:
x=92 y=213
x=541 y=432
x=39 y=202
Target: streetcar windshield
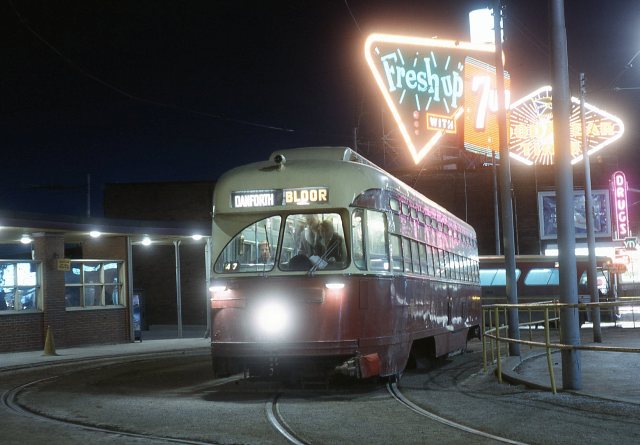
x=253 y=249
x=310 y=241
x=313 y=241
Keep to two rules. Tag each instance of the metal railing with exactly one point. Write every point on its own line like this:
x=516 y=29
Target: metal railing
x=496 y=337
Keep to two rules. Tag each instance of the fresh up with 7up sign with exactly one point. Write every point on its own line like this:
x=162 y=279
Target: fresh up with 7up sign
x=422 y=81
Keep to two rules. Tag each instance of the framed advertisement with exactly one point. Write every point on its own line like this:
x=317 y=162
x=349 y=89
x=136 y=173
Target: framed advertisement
x=547 y=214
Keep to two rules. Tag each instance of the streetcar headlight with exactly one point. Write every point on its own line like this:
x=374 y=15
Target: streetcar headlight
x=334 y=285
x=272 y=317
x=217 y=286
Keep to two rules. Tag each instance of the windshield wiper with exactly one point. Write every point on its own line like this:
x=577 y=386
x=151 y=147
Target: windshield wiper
x=323 y=259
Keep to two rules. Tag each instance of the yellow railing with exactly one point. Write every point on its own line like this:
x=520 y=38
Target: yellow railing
x=495 y=338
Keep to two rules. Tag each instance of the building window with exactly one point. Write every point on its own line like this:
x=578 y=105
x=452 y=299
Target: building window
x=94 y=283
x=20 y=285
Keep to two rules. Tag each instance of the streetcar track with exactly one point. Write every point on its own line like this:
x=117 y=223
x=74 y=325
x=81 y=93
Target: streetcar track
x=398 y=396
x=277 y=421
x=11 y=403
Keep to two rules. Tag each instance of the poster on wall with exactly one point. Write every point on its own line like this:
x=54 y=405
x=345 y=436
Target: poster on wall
x=547 y=214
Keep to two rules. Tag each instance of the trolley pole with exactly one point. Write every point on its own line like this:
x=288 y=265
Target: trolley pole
x=592 y=272
x=569 y=328
x=505 y=192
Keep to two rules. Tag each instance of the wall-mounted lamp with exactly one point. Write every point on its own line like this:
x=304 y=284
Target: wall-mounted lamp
x=95 y=234
x=26 y=239
x=146 y=241
x=196 y=237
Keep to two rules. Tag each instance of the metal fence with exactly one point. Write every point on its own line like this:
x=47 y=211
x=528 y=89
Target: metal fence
x=543 y=326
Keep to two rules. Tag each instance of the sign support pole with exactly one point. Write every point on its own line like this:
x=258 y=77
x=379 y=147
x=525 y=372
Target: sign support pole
x=505 y=190
x=569 y=329
x=592 y=272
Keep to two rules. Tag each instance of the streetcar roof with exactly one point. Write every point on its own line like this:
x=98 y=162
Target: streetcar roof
x=332 y=167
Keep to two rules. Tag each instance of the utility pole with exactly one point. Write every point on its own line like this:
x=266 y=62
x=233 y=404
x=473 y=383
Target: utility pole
x=592 y=272
x=496 y=212
x=505 y=195
x=569 y=328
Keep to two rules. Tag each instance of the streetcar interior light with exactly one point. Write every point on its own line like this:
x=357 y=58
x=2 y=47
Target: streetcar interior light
x=334 y=285
x=272 y=317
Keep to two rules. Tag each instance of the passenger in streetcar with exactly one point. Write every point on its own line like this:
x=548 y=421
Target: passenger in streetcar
x=265 y=252
x=333 y=243
x=312 y=239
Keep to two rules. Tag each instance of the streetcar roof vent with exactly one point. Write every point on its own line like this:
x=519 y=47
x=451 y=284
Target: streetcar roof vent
x=321 y=153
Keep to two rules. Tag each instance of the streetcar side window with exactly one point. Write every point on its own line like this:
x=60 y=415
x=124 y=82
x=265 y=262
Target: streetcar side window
x=357 y=237
x=397 y=261
x=495 y=277
x=376 y=241
x=253 y=249
x=431 y=269
x=423 y=258
x=406 y=254
x=542 y=277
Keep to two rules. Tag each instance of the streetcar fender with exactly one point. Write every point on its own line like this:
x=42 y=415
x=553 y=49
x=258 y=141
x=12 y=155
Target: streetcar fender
x=361 y=366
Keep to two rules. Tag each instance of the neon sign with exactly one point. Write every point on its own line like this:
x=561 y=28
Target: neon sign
x=481 y=104
x=619 y=191
x=422 y=81
x=279 y=197
x=531 y=129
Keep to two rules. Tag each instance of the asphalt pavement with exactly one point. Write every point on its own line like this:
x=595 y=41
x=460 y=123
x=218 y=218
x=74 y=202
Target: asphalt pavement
x=606 y=375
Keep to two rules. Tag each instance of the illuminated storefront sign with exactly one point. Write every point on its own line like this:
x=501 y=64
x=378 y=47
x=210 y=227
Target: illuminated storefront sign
x=279 y=197
x=423 y=83
x=531 y=129
x=619 y=194
x=547 y=214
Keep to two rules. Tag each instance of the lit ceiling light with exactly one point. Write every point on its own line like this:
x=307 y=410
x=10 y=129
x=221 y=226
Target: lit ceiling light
x=196 y=237
x=95 y=234
x=26 y=239
x=146 y=241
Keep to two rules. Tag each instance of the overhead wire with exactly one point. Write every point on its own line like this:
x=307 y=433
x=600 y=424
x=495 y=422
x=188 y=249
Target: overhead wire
x=132 y=96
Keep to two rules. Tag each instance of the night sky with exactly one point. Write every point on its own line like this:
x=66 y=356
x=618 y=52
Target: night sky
x=147 y=91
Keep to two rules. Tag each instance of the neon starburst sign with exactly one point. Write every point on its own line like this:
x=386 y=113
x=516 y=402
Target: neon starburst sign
x=531 y=129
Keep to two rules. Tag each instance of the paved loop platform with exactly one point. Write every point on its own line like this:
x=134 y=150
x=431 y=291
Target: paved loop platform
x=607 y=375
x=156 y=340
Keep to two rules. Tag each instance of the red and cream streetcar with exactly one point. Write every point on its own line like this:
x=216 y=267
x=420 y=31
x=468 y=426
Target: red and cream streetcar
x=323 y=261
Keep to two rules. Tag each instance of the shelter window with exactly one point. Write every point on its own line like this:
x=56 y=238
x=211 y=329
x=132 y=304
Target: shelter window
x=94 y=283
x=20 y=285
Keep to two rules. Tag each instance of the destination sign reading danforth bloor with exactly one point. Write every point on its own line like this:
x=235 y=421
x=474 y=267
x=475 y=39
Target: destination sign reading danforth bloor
x=279 y=197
